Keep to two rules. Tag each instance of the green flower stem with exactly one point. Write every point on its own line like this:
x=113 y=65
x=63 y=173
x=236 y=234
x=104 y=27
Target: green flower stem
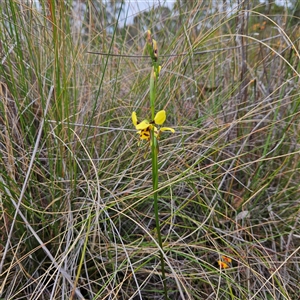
x=152 y=92
x=154 y=153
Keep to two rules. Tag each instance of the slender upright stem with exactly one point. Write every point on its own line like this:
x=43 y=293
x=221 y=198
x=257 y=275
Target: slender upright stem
x=152 y=49
x=154 y=153
x=155 y=187
x=152 y=92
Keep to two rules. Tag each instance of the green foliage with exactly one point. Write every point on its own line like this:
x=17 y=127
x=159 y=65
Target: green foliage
x=76 y=199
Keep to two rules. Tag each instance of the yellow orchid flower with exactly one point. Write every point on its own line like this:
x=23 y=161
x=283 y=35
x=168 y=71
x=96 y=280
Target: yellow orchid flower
x=144 y=128
x=225 y=262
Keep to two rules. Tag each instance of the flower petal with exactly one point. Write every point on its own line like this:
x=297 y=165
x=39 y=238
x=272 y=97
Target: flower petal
x=222 y=265
x=134 y=118
x=226 y=259
x=160 y=117
x=167 y=129
x=143 y=125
